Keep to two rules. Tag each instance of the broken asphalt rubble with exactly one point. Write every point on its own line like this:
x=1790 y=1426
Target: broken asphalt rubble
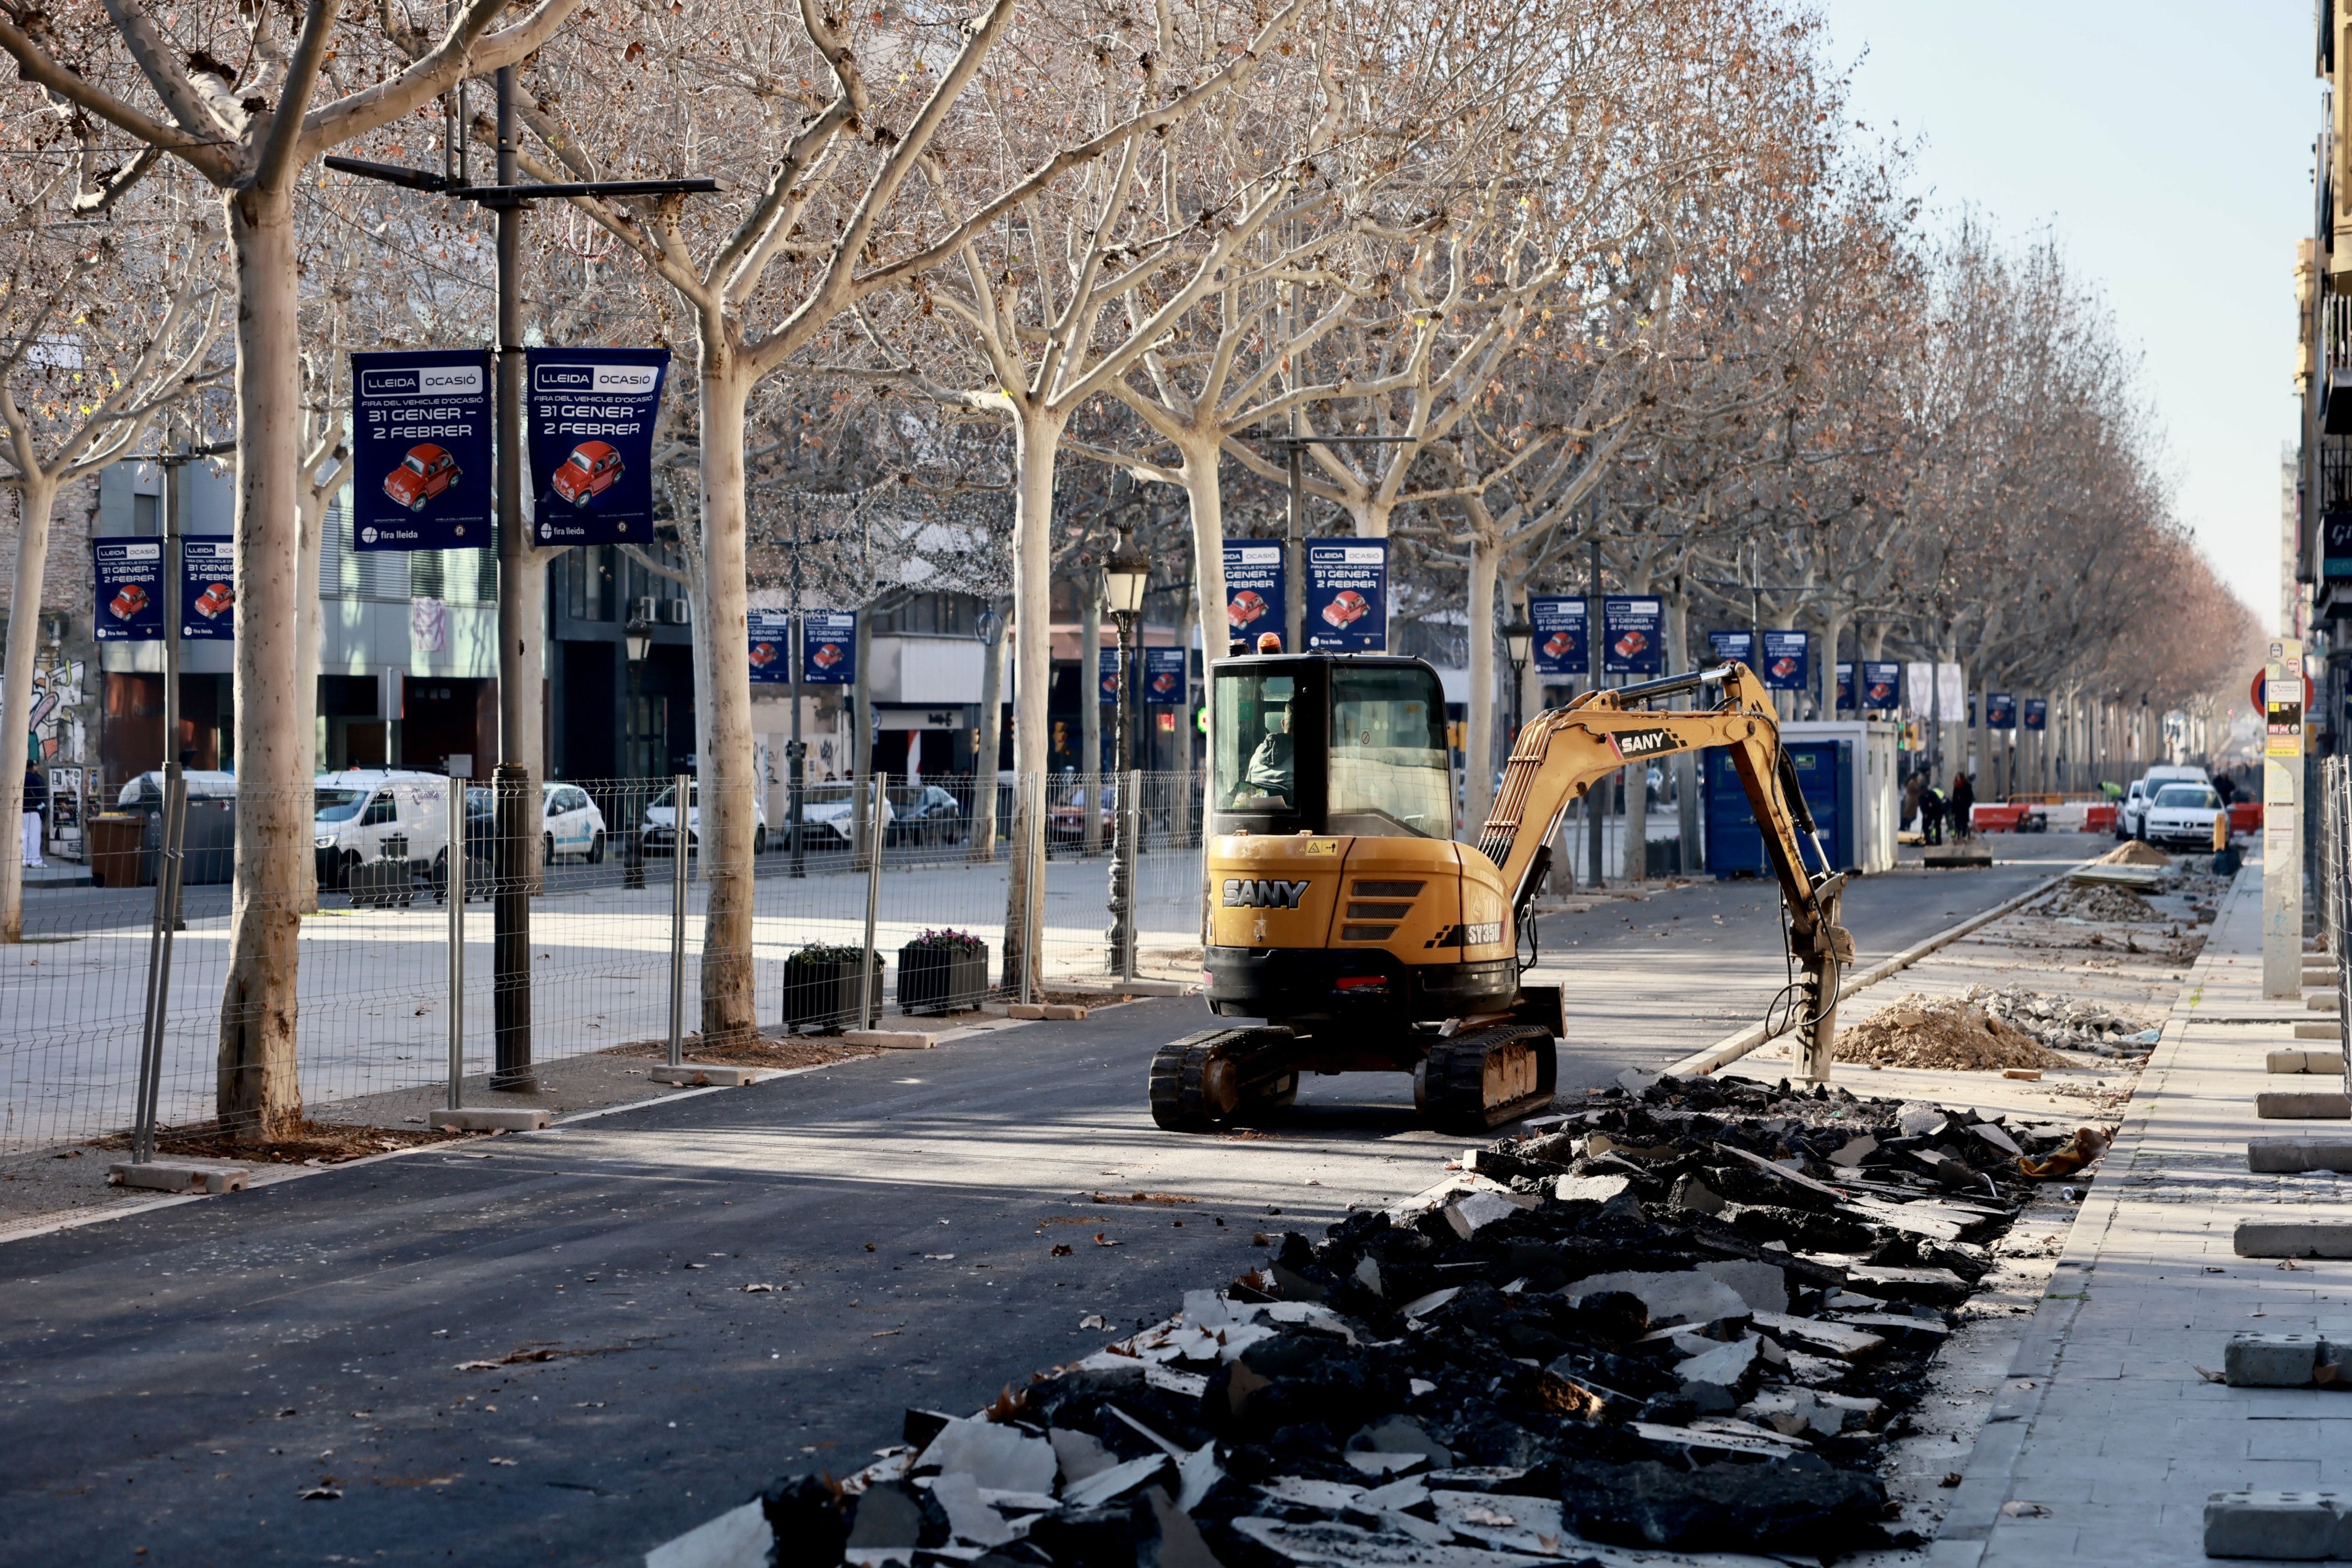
x=1685 y=1315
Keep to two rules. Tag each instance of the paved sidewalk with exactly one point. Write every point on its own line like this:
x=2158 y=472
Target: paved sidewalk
x=2106 y=1439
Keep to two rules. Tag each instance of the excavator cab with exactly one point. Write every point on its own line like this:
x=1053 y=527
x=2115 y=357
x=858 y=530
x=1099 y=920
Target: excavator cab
x=1342 y=910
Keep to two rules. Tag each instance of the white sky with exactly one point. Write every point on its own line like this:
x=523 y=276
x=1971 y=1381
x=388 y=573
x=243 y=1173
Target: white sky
x=2168 y=145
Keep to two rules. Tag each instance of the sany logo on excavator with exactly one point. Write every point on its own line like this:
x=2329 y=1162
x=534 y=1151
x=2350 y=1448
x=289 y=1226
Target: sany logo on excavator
x=1263 y=893
x=1631 y=743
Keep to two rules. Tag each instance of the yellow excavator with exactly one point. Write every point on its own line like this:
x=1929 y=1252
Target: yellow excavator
x=1341 y=910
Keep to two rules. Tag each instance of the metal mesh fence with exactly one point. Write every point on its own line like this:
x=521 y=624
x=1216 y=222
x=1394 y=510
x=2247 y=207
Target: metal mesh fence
x=577 y=881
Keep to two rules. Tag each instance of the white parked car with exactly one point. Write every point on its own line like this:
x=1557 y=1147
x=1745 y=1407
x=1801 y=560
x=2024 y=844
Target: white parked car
x=2182 y=814
x=2131 y=822
x=661 y=822
x=370 y=813
x=833 y=808
x=574 y=824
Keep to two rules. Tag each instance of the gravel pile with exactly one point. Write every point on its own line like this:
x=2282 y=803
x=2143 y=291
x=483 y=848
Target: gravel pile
x=1686 y=1315
x=2066 y=1024
x=2119 y=906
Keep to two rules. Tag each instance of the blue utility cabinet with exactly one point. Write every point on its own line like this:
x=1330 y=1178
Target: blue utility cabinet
x=1824 y=772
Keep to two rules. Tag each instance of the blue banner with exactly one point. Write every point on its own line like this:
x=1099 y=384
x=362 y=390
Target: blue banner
x=128 y=577
x=207 y=587
x=1634 y=635
x=829 y=647
x=771 y=647
x=1563 y=643
x=2001 y=711
x=1106 y=677
x=1164 y=675
x=1727 y=645
x=590 y=414
x=1348 y=595
x=2037 y=712
x=1845 y=683
x=422 y=477
x=1256 y=601
x=1788 y=661
x=1882 y=685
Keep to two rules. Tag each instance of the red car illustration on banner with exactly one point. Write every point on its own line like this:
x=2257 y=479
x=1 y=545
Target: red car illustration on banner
x=425 y=473
x=1247 y=605
x=1346 y=608
x=1783 y=668
x=214 y=601
x=826 y=656
x=1164 y=682
x=588 y=473
x=1558 y=644
x=129 y=600
x=764 y=654
x=1631 y=643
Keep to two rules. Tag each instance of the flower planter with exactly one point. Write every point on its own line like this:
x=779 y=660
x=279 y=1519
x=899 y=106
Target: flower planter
x=820 y=992
x=936 y=978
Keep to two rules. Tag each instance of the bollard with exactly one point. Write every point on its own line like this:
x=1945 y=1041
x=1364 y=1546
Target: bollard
x=455 y=857
x=680 y=785
x=873 y=905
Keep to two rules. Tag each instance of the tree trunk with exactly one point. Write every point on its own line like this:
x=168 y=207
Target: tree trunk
x=1833 y=633
x=1478 y=744
x=988 y=746
x=1873 y=640
x=1686 y=763
x=258 y=1092
x=1205 y=495
x=1090 y=711
x=723 y=752
x=1036 y=436
x=35 y=499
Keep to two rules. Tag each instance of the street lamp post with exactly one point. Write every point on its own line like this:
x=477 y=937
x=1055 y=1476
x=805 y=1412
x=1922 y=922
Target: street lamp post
x=516 y=830
x=989 y=625
x=638 y=640
x=1519 y=637
x=1125 y=577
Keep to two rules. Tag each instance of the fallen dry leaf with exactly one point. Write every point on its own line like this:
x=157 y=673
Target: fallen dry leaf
x=1102 y=1240
x=1061 y=1249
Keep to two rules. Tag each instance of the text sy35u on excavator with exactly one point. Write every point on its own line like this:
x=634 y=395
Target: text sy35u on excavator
x=1341 y=910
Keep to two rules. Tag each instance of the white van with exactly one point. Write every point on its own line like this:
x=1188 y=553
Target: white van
x=2131 y=822
x=369 y=813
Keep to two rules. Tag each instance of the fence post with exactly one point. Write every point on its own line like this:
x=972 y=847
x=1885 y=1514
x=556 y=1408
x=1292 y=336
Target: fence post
x=159 y=966
x=456 y=855
x=866 y=968
x=680 y=784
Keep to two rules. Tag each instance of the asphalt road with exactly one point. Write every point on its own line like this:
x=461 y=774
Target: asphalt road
x=176 y=1379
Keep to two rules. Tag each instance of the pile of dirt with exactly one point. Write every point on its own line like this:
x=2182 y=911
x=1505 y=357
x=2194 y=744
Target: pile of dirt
x=2135 y=852
x=2105 y=905
x=1947 y=1034
x=308 y=1143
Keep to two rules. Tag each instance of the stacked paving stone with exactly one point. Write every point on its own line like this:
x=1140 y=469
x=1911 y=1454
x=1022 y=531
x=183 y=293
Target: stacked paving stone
x=1686 y=1315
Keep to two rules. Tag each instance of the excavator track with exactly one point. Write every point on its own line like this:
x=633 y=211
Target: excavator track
x=1483 y=1078
x=1220 y=1077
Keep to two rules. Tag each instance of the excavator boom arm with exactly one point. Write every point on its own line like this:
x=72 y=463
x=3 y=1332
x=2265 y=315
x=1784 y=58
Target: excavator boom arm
x=1564 y=751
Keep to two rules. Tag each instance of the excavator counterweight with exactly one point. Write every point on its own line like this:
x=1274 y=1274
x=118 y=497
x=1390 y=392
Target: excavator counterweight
x=1342 y=912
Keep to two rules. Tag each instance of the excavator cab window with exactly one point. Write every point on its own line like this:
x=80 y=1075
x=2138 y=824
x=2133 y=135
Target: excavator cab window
x=1389 y=773
x=1257 y=754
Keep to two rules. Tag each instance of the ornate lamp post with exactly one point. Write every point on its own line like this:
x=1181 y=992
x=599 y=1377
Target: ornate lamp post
x=1519 y=637
x=1125 y=576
